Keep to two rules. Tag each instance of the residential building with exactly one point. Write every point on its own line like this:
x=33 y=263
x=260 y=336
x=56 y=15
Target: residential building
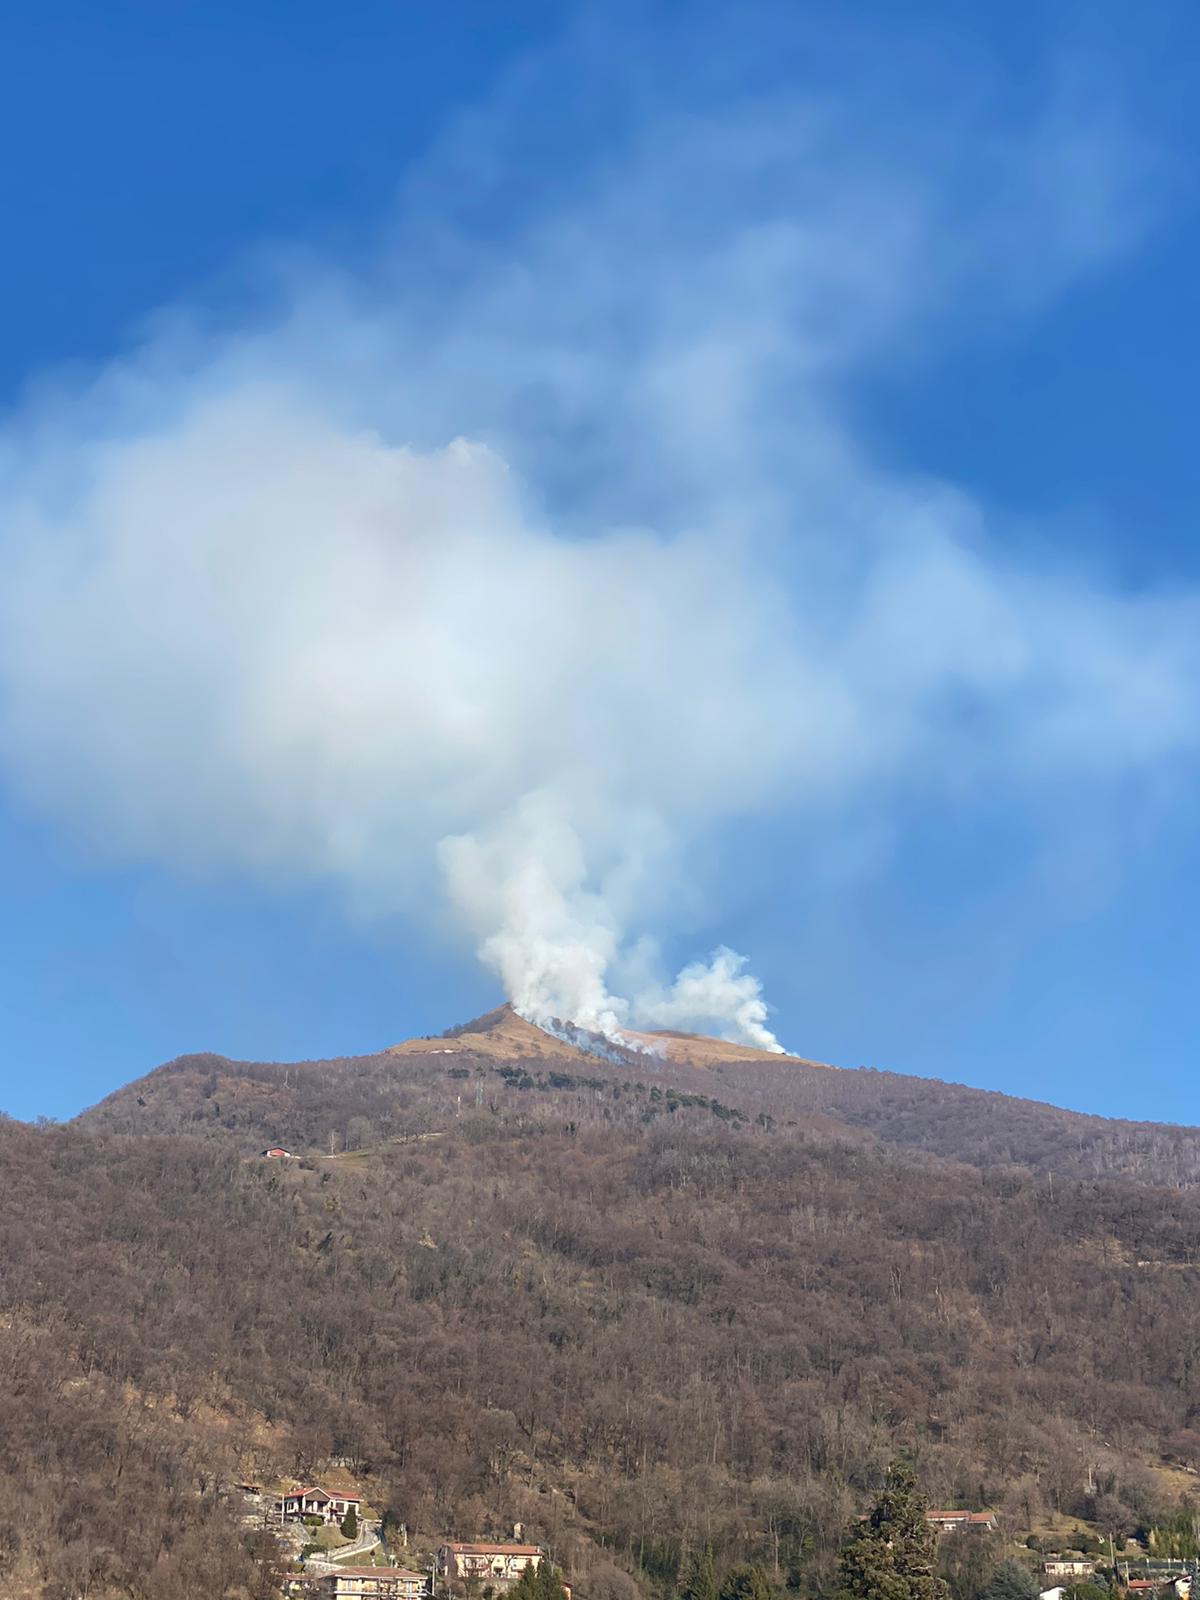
x=1068 y=1567
x=952 y=1521
x=497 y=1564
x=375 y=1583
x=314 y=1502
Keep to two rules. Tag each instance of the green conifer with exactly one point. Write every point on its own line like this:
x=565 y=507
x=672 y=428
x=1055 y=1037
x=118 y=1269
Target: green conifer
x=745 y=1582
x=892 y=1555
x=1010 y=1581
x=548 y=1581
x=701 y=1580
x=528 y=1586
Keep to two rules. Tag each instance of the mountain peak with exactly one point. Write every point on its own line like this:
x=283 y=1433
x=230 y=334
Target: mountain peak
x=503 y=1033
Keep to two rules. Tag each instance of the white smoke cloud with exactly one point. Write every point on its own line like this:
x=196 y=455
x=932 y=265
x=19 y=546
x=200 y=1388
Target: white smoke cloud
x=714 y=996
x=519 y=566
x=554 y=941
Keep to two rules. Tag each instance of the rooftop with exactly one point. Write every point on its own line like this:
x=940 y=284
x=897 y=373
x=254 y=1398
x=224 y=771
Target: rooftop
x=494 y=1549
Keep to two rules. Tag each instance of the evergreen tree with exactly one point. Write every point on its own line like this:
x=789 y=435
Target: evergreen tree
x=1010 y=1581
x=701 y=1580
x=548 y=1581
x=528 y=1586
x=350 y=1524
x=893 y=1554
x=745 y=1583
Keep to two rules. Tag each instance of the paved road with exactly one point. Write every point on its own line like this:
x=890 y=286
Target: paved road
x=332 y=1559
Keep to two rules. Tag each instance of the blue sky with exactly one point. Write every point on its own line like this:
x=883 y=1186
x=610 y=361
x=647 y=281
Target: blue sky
x=817 y=578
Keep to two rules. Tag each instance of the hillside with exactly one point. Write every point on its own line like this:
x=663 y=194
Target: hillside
x=976 y=1125
x=630 y=1298
x=630 y=1318
x=414 y=1087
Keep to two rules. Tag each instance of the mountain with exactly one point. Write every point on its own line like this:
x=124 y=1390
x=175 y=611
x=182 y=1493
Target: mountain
x=632 y=1299
x=505 y=1034
x=402 y=1090
x=632 y=1312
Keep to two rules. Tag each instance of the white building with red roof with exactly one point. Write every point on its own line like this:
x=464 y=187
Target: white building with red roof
x=314 y=1502
x=952 y=1521
x=498 y=1564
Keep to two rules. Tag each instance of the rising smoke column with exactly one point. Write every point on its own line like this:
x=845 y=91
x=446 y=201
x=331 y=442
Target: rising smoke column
x=512 y=573
x=553 y=941
x=258 y=639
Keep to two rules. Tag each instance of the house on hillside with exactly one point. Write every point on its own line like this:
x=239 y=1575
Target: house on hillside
x=375 y=1583
x=952 y=1521
x=1075 y=1567
x=498 y=1564
x=314 y=1502
x=276 y=1152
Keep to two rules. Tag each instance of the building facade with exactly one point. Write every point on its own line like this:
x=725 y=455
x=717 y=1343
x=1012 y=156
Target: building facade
x=952 y=1521
x=314 y=1502
x=1067 y=1567
x=375 y=1583
x=497 y=1564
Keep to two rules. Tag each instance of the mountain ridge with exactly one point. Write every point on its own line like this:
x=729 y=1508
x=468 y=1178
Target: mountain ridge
x=504 y=1032
x=626 y=1313
x=416 y=1085
x=629 y=1302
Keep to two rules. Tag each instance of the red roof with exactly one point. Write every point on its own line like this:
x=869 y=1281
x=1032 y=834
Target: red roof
x=337 y=1494
x=495 y=1549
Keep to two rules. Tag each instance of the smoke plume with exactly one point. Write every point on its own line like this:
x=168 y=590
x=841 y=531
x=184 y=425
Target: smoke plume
x=522 y=563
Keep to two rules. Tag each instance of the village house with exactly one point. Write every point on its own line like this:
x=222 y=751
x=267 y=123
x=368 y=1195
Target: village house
x=375 y=1583
x=314 y=1502
x=277 y=1153
x=1067 y=1567
x=497 y=1564
x=952 y=1521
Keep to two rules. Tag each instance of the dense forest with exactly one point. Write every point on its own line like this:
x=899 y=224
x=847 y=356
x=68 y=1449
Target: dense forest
x=637 y=1314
